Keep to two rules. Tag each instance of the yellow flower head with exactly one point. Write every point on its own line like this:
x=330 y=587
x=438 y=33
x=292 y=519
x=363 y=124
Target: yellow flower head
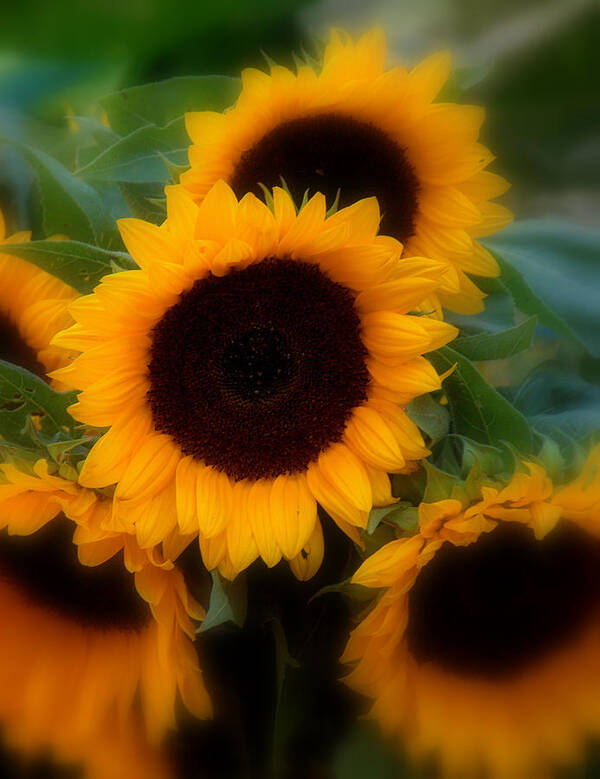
x=484 y=648
x=84 y=638
x=33 y=308
x=257 y=363
x=361 y=130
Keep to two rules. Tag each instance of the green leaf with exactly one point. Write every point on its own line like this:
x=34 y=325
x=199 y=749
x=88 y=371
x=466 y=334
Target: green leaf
x=80 y=265
x=364 y=754
x=439 y=483
x=477 y=410
x=354 y=592
x=142 y=199
x=161 y=102
x=58 y=450
x=430 y=416
x=551 y=269
x=228 y=603
x=551 y=458
x=497 y=346
x=69 y=206
x=492 y=459
x=23 y=394
x=142 y=155
x=555 y=401
x=402 y=515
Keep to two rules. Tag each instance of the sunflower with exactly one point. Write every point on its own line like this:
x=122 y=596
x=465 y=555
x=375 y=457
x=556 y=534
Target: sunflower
x=83 y=638
x=33 y=308
x=484 y=648
x=354 y=129
x=257 y=363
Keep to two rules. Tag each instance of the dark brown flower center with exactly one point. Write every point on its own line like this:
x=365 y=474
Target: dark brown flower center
x=44 y=567
x=13 y=348
x=256 y=372
x=502 y=604
x=331 y=152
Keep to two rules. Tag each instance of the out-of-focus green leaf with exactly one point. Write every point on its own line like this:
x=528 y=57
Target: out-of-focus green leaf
x=228 y=602
x=555 y=401
x=23 y=394
x=80 y=265
x=492 y=459
x=59 y=450
x=430 y=416
x=477 y=410
x=142 y=155
x=365 y=753
x=143 y=200
x=402 y=515
x=439 y=483
x=497 y=346
x=551 y=269
x=69 y=206
x=355 y=592
x=161 y=102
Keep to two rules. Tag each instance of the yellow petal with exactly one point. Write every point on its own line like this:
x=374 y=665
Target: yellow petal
x=480 y=262
x=389 y=563
x=284 y=209
x=214 y=495
x=308 y=223
x=154 y=518
x=494 y=218
x=109 y=456
x=371 y=438
x=429 y=76
x=241 y=546
x=411 y=378
x=186 y=478
x=362 y=219
x=204 y=126
x=259 y=513
x=293 y=513
x=182 y=212
x=344 y=469
x=397 y=337
x=307 y=563
x=213 y=550
x=405 y=431
x=381 y=487
x=399 y=296
x=147 y=243
x=217 y=214
x=151 y=467
x=256 y=226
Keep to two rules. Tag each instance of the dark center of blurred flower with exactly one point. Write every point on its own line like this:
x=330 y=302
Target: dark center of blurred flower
x=504 y=603
x=13 y=348
x=256 y=372
x=330 y=152
x=45 y=569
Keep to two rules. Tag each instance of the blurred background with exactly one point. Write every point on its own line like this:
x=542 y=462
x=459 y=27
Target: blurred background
x=531 y=63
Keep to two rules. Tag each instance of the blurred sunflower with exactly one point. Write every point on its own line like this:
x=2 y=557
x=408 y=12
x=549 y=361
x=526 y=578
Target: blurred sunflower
x=355 y=129
x=484 y=649
x=81 y=645
x=257 y=363
x=33 y=308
